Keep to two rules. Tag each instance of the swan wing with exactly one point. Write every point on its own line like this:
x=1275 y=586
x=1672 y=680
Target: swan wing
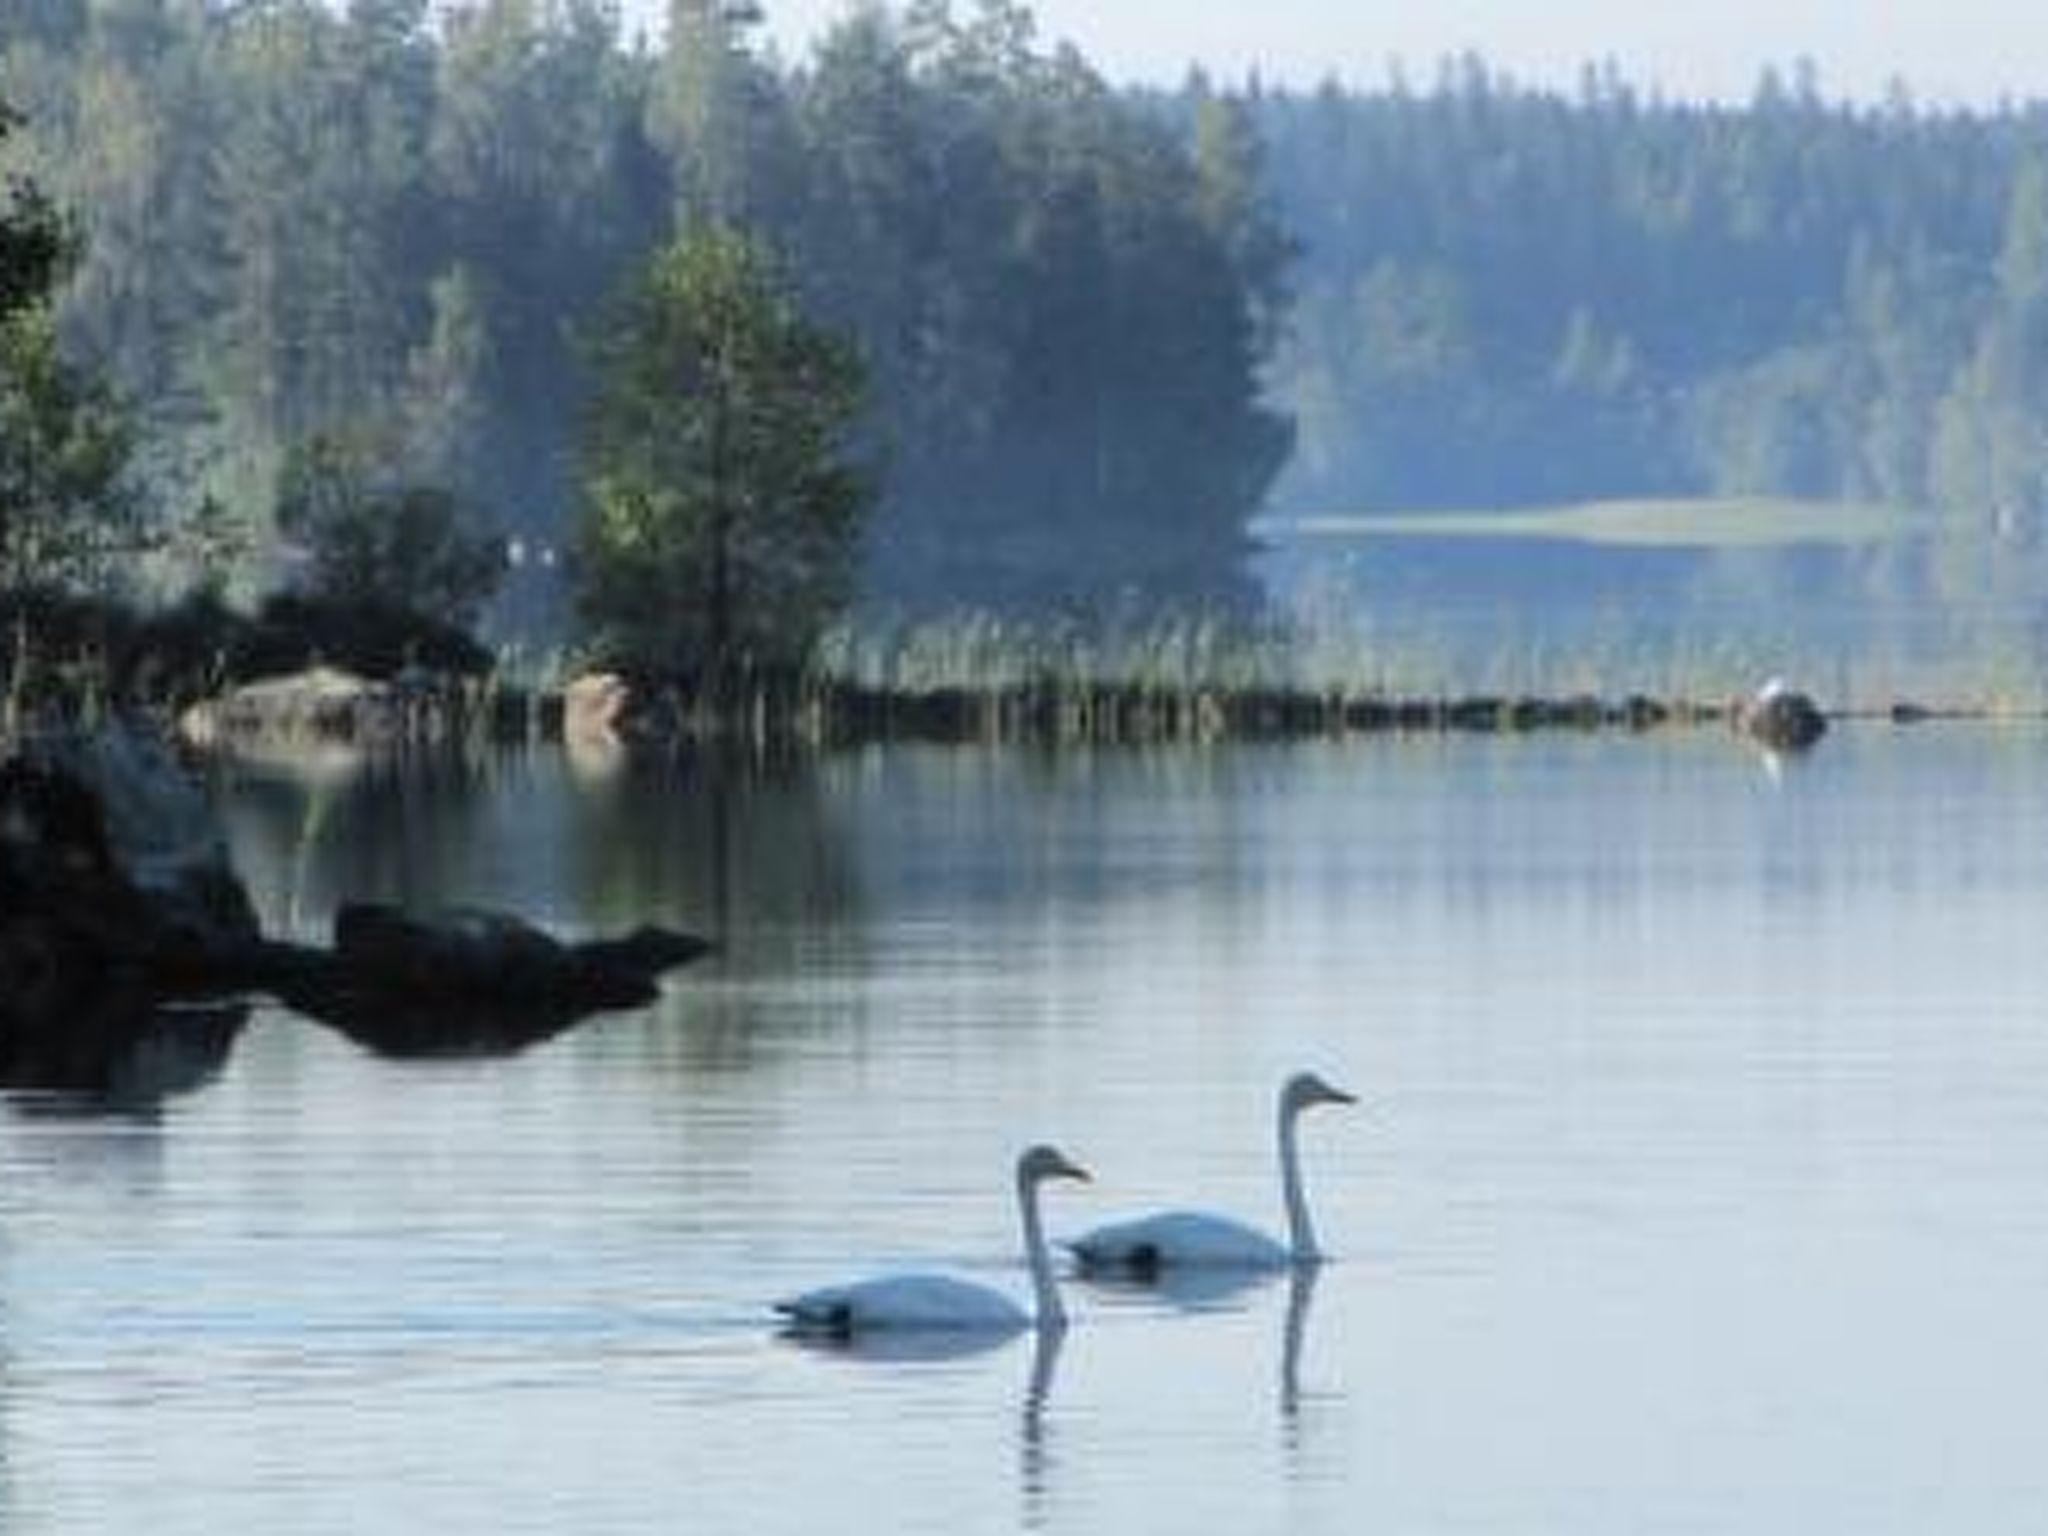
x=1173 y=1239
x=902 y=1301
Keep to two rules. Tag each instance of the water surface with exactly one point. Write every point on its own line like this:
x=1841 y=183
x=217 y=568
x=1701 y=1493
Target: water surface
x=1697 y=1186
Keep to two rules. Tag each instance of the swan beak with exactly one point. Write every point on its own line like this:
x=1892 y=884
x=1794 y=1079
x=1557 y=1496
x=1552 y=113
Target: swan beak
x=1076 y=1171
x=1338 y=1096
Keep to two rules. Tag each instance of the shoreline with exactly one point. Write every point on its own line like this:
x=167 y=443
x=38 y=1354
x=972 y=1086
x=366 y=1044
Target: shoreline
x=608 y=711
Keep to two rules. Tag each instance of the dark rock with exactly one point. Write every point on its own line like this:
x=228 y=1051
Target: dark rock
x=466 y=981
x=1473 y=714
x=1641 y=712
x=647 y=951
x=487 y=956
x=1368 y=714
x=1780 y=718
x=108 y=906
x=116 y=901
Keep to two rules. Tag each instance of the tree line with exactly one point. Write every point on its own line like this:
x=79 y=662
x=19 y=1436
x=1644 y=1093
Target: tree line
x=360 y=284
x=336 y=255
x=1509 y=296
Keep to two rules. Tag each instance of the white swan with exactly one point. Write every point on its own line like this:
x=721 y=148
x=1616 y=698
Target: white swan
x=927 y=1301
x=1173 y=1239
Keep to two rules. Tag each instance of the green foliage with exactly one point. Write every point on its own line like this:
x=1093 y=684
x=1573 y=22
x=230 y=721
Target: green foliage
x=1066 y=302
x=1101 y=328
x=305 y=215
x=68 y=510
x=373 y=540
x=34 y=244
x=722 y=507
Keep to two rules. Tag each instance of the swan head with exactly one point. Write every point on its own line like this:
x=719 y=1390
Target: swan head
x=1042 y=1162
x=1306 y=1089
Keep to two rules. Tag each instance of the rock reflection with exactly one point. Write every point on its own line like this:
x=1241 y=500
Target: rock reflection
x=705 y=841
x=310 y=830
x=436 y=1030
x=126 y=1053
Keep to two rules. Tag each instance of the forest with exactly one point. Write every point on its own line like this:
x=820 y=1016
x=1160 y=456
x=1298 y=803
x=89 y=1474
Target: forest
x=1511 y=297
x=1100 y=328
x=405 y=228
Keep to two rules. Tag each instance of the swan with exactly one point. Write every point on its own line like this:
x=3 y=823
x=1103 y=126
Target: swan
x=1173 y=1239
x=929 y=1301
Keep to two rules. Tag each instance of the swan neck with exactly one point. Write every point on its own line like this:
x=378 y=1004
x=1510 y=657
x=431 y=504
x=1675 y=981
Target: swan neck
x=1047 y=1311
x=1301 y=1232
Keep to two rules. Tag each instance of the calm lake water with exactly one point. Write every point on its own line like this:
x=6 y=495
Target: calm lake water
x=1700 y=1183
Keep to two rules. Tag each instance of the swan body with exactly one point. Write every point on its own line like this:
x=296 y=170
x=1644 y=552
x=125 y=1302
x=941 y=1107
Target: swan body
x=918 y=1302
x=1198 y=1239
x=1187 y=1238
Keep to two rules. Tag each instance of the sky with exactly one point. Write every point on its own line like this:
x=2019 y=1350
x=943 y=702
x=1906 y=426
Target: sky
x=1949 y=51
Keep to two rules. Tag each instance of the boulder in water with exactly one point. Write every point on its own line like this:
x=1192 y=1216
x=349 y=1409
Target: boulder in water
x=468 y=980
x=1780 y=718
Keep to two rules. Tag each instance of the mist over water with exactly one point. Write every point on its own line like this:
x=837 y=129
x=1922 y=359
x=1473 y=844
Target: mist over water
x=1695 y=1184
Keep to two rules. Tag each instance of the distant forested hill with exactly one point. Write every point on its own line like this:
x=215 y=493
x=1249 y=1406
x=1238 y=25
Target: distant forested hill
x=1507 y=297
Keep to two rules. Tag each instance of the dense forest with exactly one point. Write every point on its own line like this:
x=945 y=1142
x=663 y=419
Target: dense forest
x=1510 y=297
x=1100 y=328
x=403 y=224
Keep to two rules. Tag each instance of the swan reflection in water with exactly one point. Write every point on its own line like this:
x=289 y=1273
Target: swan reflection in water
x=1198 y=1290
x=1034 y=1464
x=920 y=1345
x=1301 y=1295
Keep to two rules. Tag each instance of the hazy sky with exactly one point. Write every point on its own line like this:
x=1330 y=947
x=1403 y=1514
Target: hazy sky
x=1948 y=50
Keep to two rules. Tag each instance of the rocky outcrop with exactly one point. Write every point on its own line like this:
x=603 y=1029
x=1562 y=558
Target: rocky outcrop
x=126 y=941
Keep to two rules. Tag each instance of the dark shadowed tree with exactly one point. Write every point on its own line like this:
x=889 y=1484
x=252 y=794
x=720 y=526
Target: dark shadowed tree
x=373 y=538
x=34 y=245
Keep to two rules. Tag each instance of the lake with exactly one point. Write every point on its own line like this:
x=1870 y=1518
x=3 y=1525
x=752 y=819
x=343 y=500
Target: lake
x=1691 y=599
x=1697 y=1183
